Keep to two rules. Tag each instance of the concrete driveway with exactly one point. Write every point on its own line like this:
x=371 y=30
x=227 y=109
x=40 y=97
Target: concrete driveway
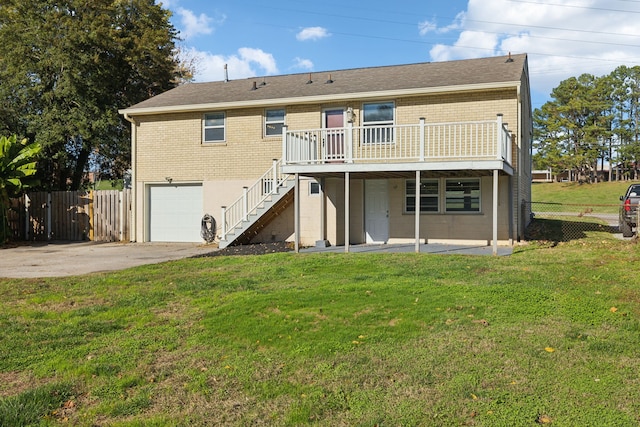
x=55 y=259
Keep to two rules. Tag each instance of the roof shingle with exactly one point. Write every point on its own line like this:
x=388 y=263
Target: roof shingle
x=351 y=81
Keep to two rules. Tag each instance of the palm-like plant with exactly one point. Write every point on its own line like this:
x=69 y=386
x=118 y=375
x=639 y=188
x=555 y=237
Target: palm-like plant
x=17 y=172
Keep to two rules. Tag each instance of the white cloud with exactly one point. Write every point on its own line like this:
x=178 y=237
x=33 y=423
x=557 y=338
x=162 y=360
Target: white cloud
x=312 y=33
x=192 y=25
x=248 y=62
x=425 y=27
x=304 y=64
x=563 y=39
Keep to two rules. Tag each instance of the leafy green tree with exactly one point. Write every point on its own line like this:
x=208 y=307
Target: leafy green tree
x=17 y=172
x=67 y=66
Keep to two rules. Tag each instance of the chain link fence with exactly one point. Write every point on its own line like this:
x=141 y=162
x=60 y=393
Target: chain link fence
x=562 y=222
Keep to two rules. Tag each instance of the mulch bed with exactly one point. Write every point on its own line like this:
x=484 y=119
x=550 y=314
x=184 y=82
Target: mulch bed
x=253 y=249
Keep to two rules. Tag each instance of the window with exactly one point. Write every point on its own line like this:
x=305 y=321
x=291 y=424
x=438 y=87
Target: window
x=377 y=119
x=429 y=195
x=273 y=122
x=314 y=188
x=213 y=127
x=462 y=195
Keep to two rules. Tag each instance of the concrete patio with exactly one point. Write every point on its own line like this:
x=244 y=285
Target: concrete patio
x=431 y=248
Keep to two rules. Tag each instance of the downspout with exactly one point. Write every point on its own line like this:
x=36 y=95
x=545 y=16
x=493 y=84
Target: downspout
x=134 y=204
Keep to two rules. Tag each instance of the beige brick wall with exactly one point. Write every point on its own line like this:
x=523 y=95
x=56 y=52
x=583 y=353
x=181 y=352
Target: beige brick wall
x=170 y=145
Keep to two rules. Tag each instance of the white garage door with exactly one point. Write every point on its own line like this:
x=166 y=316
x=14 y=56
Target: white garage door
x=175 y=213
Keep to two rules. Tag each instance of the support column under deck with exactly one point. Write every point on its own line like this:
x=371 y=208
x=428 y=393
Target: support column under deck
x=296 y=214
x=346 y=211
x=495 y=212
x=417 y=213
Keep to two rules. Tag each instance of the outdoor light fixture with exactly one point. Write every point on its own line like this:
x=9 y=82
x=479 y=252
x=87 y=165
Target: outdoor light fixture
x=169 y=179
x=350 y=115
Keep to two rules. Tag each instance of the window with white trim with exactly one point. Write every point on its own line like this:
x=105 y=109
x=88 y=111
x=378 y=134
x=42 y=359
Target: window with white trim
x=314 y=188
x=429 y=195
x=273 y=122
x=462 y=195
x=213 y=127
x=377 y=120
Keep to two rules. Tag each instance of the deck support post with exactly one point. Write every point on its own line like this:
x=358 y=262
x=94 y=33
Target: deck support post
x=346 y=211
x=323 y=211
x=495 y=212
x=296 y=213
x=417 y=213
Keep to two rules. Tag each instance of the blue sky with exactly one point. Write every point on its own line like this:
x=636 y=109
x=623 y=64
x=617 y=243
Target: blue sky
x=563 y=38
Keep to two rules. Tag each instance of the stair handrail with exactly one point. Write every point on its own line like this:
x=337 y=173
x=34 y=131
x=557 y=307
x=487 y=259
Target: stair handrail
x=251 y=199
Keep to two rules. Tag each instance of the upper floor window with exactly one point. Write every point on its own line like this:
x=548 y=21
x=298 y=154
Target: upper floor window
x=378 y=119
x=429 y=195
x=462 y=195
x=213 y=127
x=273 y=122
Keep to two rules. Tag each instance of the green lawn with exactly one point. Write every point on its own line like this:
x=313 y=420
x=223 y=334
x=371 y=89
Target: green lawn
x=549 y=335
x=607 y=193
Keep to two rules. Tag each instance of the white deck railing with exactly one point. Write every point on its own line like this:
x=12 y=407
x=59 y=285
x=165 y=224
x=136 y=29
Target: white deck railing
x=252 y=198
x=434 y=142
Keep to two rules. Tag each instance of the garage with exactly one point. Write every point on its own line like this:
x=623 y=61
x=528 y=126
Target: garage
x=175 y=213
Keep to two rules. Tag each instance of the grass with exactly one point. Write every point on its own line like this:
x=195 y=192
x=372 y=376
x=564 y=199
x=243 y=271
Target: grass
x=602 y=196
x=547 y=335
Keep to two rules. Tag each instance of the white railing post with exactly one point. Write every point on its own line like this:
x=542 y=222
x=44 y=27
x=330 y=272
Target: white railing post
x=349 y=143
x=245 y=203
x=500 y=136
x=422 y=120
x=285 y=157
x=223 y=223
x=274 y=186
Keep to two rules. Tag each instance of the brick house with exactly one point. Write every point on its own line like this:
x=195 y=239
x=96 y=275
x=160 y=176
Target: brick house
x=316 y=157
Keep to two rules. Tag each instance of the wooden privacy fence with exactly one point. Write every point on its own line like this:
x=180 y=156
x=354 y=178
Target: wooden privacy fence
x=102 y=216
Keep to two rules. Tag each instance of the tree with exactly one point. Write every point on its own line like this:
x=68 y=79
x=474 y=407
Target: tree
x=67 y=66
x=626 y=93
x=572 y=130
x=17 y=172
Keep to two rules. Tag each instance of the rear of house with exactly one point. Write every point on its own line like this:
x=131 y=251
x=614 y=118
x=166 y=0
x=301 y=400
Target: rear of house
x=334 y=157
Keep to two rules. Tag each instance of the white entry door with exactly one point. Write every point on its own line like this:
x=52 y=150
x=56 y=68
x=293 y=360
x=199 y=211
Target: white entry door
x=376 y=211
x=175 y=213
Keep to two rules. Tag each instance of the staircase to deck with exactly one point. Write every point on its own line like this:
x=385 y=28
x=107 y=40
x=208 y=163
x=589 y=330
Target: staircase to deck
x=258 y=205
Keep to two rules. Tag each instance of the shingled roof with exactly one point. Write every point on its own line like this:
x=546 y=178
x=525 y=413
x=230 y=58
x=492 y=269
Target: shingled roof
x=417 y=78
